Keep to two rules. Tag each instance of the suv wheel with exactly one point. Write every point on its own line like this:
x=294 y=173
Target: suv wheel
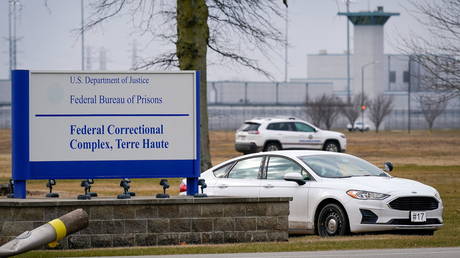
x=331 y=146
x=272 y=146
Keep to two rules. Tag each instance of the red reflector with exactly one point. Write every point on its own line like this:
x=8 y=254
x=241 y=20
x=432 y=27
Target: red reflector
x=182 y=187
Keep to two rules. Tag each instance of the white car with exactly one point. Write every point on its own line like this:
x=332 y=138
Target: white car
x=271 y=134
x=333 y=193
x=358 y=126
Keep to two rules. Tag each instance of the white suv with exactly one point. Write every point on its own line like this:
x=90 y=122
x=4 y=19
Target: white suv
x=270 y=134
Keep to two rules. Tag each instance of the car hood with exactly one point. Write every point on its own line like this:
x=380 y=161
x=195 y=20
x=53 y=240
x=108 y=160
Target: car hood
x=387 y=185
x=331 y=133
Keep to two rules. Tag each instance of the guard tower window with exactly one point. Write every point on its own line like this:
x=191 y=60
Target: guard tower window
x=392 y=76
x=406 y=77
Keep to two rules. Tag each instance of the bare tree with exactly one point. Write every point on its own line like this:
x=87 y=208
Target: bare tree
x=380 y=107
x=324 y=110
x=432 y=107
x=438 y=53
x=353 y=110
x=229 y=29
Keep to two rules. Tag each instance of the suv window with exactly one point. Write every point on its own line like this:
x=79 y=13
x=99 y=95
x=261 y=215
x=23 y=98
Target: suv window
x=246 y=169
x=249 y=126
x=301 y=127
x=220 y=172
x=278 y=167
x=286 y=126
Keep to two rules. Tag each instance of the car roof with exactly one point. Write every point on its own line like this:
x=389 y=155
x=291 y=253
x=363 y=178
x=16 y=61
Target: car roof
x=296 y=153
x=272 y=119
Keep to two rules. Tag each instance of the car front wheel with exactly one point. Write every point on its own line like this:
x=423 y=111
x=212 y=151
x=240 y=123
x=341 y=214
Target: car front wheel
x=331 y=146
x=332 y=221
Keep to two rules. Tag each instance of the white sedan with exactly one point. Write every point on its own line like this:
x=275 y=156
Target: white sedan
x=333 y=193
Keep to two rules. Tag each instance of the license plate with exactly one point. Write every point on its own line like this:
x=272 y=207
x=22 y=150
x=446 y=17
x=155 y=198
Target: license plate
x=418 y=216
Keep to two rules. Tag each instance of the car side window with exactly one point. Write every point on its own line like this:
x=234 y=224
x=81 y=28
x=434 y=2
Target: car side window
x=246 y=169
x=278 y=167
x=281 y=126
x=301 y=127
x=274 y=126
x=220 y=172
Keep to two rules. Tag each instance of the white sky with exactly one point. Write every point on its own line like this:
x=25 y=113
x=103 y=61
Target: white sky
x=49 y=40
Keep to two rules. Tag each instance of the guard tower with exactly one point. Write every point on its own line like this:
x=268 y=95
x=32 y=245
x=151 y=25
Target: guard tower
x=368 y=50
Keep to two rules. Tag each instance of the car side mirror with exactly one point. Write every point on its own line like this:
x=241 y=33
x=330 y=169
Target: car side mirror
x=388 y=166
x=295 y=177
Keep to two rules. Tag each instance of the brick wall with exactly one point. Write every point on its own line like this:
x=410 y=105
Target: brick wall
x=151 y=221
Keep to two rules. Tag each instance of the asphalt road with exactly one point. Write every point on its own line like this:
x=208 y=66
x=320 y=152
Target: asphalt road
x=453 y=252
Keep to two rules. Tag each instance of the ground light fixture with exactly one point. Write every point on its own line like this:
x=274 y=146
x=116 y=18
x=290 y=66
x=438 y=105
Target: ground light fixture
x=87 y=186
x=126 y=193
x=90 y=182
x=165 y=184
x=202 y=184
x=50 y=184
x=11 y=186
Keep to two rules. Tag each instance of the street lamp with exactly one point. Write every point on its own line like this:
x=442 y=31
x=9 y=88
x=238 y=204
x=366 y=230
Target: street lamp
x=363 y=107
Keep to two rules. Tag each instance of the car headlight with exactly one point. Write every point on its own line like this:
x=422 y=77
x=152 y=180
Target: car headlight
x=365 y=195
x=438 y=196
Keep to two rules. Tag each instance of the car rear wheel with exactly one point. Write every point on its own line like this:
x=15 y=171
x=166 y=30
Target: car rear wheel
x=332 y=221
x=272 y=146
x=331 y=146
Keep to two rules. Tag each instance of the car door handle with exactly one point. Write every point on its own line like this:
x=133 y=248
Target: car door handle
x=222 y=186
x=269 y=186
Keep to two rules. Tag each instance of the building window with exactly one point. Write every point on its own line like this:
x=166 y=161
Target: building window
x=392 y=76
x=406 y=77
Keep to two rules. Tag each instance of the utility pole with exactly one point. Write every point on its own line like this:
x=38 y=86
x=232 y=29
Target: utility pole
x=134 y=56
x=102 y=59
x=12 y=39
x=348 y=54
x=89 y=58
x=286 y=47
x=408 y=97
x=82 y=35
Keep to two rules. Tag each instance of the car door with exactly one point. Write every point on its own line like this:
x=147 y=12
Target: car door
x=283 y=132
x=274 y=185
x=307 y=136
x=212 y=182
x=242 y=179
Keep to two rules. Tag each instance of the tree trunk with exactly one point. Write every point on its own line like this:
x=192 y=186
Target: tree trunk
x=191 y=47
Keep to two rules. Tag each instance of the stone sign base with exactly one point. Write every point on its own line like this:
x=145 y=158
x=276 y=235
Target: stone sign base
x=150 y=221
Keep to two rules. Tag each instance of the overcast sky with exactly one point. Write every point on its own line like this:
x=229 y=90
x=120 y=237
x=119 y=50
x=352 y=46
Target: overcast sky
x=48 y=40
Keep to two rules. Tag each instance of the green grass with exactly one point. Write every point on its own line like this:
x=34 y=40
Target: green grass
x=445 y=179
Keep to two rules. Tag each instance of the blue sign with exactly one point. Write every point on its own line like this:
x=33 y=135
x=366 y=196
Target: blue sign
x=90 y=125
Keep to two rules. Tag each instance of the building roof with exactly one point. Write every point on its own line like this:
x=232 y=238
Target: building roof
x=378 y=17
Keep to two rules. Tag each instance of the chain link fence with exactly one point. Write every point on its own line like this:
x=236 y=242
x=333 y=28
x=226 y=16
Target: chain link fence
x=5 y=116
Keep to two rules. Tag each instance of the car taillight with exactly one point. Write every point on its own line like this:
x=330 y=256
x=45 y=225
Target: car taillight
x=253 y=132
x=182 y=187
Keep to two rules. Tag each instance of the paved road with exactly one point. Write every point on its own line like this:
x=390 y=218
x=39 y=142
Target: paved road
x=453 y=252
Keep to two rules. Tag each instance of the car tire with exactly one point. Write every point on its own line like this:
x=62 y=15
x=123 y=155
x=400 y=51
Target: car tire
x=331 y=146
x=332 y=221
x=272 y=146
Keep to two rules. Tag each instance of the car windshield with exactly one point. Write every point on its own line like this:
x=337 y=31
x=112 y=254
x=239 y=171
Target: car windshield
x=339 y=166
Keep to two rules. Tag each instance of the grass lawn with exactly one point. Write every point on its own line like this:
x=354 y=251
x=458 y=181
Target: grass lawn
x=432 y=158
